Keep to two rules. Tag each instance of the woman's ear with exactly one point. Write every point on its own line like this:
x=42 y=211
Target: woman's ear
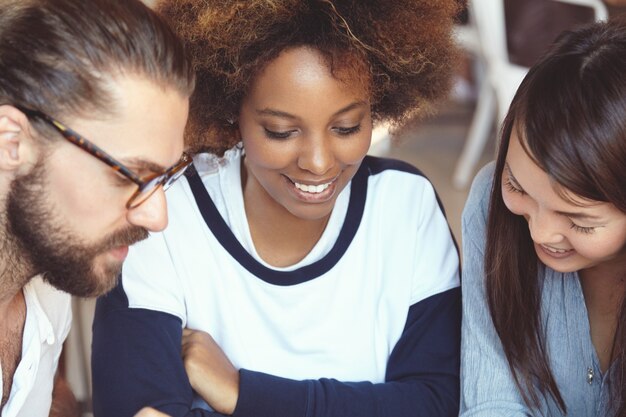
x=16 y=142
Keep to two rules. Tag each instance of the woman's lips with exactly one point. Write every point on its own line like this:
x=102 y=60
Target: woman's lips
x=313 y=189
x=312 y=192
x=554 y=252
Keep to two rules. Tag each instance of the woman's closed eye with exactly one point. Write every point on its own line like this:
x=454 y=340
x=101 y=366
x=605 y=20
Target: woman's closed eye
x=278 y=134
x=285 y=134
x=512 y=187
x=582 y=229
x=347 y=131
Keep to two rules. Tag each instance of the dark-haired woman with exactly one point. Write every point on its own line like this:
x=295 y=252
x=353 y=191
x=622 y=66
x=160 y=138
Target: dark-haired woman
x=317 y=281
x=544 y=240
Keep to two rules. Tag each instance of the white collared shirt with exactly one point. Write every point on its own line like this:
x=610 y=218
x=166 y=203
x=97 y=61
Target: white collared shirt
x=48 y=321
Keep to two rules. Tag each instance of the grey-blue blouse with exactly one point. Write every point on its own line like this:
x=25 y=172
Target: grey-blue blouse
x=487 y=387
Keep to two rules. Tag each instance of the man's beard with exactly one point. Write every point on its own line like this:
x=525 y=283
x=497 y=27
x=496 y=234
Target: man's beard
x=64 y=259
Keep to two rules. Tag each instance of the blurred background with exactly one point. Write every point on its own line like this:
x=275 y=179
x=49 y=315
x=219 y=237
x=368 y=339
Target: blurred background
x=499 y=40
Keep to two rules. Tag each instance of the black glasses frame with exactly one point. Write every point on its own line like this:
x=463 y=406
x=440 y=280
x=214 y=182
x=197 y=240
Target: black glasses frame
x=146 y=185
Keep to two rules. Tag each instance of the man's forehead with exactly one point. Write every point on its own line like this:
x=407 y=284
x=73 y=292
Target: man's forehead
x=143 y=127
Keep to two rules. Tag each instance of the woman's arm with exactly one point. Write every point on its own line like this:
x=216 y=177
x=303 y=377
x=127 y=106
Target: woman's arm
x=136 y=361
x=150 y=412
x=422 y=375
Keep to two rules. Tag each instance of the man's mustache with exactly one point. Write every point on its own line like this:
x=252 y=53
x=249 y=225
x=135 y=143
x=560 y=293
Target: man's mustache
x=125 y=237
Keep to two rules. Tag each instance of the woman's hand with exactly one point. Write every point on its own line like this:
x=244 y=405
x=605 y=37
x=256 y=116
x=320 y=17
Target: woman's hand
x=210 y=372
x=150 y=412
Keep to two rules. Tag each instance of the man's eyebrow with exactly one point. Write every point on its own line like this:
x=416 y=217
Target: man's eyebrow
x=279 y=113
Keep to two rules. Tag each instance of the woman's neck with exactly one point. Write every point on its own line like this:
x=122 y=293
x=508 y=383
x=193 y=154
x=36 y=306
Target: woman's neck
x=280 y=238
x=604 y=284
x=603 y=288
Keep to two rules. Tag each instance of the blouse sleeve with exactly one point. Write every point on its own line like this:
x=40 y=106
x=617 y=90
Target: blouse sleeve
x=487 y=387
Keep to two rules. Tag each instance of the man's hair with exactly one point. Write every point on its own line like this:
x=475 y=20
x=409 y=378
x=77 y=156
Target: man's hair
x=402 y=49
x=58 y=56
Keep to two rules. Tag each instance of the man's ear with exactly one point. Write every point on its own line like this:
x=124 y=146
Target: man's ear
x=16 y=141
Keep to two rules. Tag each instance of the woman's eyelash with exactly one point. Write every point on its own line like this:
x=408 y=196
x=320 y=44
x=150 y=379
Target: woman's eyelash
x=582 y=229
x=277 y=135
x=345 y=131
x=509 y=185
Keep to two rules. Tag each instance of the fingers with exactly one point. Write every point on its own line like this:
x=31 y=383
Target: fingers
x=150 y=412
x=196 y=336
x=191 y=335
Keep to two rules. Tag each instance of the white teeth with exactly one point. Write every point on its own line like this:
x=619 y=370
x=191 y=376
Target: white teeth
x=314 y=189
x=554 y=250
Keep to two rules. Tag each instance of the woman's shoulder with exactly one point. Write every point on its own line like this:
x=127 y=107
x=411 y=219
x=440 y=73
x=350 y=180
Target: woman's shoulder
x=394 y=177
x=207 y=164
x=477 y=204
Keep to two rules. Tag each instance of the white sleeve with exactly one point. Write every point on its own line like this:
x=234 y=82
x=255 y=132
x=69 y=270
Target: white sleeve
x=150 y=279
x=436 y=257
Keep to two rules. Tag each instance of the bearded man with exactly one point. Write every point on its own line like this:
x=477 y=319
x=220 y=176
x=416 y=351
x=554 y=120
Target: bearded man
x=93 y=104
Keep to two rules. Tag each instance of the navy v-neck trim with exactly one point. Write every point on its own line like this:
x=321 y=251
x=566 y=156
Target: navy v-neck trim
x=217 y=225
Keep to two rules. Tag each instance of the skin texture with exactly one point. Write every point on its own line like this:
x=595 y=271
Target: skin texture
x=591 y=238
x=316 y=143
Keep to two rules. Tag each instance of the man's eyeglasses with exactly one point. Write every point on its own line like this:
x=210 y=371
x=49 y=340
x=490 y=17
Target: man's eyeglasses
x=146 y=185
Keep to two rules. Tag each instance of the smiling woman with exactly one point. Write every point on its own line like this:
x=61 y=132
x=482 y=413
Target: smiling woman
x=311 y=279
x=545 y=277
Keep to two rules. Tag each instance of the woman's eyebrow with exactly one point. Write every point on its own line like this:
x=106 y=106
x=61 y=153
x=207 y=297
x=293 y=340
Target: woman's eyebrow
x=279 y=113
x=578 y=215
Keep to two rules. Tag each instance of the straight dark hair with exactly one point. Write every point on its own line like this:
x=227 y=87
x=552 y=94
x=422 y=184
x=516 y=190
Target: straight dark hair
x=57 y=56
x=570 y=116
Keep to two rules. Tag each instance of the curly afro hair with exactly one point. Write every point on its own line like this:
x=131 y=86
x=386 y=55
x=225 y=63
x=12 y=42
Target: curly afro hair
x=403 y=48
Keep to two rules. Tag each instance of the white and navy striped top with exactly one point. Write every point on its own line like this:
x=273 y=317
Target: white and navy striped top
x=367 y=324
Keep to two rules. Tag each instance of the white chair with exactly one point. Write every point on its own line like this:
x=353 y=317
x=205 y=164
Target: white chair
x=501 y=79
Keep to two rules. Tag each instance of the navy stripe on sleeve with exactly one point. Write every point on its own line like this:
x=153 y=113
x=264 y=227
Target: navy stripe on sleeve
x=422 y=376
x=136 y=361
